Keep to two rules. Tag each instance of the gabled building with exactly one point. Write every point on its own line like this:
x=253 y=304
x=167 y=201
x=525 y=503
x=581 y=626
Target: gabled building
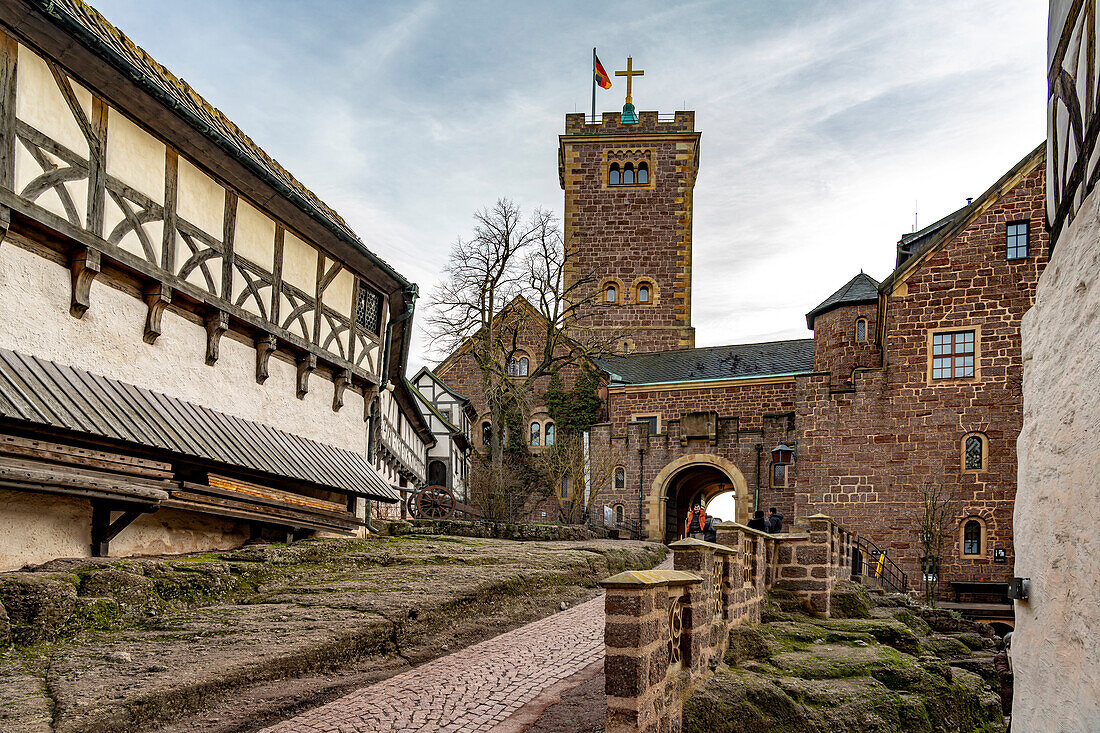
x=450 y=416
x=192 y=344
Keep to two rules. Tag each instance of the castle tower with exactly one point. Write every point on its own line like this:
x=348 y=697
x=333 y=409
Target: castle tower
x=628 y=184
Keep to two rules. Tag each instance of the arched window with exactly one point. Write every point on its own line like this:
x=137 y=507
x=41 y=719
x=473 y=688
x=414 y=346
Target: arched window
x=437 y=473
x=974 y=450
x=972 y=537
x=565 y=487
x=611 y=294
x=861 y=329
x=486 y=433
x=643 y=173
x=613 y=176
x=620 y=514
x=536 y=433
x=620 y=477
x=549 y=433
x=643 y=294
x=628 y=174
x=524 y=366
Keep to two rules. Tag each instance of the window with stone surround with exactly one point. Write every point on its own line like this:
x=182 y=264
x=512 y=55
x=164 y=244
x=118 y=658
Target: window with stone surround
x=972 y=536
x=614 y=175
x=628 y=172
x=861 y=330
x=486 y=433
x=536 y=434
x=953 y=354
x=779 y=475
x=611 y=292
x=974 y=452
x=653 y=421
x=620 y=477
x=519 y=366
x=564 y=492
x=1016 y=239
x=645 y=291
x=549 y=434
x=620 y=513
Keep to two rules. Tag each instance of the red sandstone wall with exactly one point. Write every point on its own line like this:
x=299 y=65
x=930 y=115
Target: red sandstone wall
x=835 y=347
x=866 y=453
x=626 y=233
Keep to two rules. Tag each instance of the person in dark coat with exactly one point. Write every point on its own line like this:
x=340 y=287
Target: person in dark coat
x=758 y=521
x=697 y=523
x=775 y=521
x=710 y=532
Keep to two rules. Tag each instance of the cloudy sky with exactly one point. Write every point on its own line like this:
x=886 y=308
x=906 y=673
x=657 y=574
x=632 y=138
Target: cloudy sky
x=825 y=124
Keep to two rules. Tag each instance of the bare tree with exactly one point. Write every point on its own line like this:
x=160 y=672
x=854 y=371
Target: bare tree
x=935 y=525
x=584 y=474
x=507 y=287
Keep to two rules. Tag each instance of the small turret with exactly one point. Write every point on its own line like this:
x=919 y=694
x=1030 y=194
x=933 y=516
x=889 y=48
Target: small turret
x=845 y=327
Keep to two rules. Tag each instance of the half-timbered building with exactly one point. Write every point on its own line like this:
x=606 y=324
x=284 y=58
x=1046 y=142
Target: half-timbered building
x=450 y=415
x=193 y=346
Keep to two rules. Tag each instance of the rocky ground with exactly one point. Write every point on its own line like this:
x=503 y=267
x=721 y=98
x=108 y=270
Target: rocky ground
x=231 y=641
x=889 y=665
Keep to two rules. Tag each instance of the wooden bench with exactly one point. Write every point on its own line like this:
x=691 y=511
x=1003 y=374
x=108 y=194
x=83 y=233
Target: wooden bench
x=979 y=587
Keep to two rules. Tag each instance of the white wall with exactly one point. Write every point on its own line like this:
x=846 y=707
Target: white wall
x=34 y=319
x=1056 y=644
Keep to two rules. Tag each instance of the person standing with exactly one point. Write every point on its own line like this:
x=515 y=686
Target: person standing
x=758 y=522
x=697 y=522
x=775 y=521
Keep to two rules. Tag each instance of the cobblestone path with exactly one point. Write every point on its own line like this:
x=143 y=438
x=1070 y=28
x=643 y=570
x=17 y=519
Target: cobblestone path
x=474 y=689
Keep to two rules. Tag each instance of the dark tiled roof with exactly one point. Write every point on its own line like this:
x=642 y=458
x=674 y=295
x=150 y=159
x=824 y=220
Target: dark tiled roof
x=860 y=289
x=45 y=393
x=910 y=243
x=713 y=362
x=113 y=46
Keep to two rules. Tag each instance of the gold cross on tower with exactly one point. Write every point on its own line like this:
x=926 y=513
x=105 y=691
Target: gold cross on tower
x=630 y=73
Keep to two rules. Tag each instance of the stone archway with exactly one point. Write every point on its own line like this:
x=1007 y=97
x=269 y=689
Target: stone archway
x=695 y=475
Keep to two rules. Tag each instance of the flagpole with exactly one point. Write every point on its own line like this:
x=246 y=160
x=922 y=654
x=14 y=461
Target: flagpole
x=593 y=85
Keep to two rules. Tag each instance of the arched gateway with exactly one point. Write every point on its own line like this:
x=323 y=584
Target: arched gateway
x=699 y=476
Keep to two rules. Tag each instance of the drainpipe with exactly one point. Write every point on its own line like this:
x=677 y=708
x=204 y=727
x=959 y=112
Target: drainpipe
x=641 y=487
x=411 y=293
x=756 y=503
x=370 y=527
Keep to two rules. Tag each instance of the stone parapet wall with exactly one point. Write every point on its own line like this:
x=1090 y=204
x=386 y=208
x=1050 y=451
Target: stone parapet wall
x=666 y=631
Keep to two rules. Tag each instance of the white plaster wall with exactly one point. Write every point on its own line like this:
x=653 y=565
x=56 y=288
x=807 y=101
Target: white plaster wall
x=39 y=102
x=36 y=528
x=339 y=293
x=34 y=319
x=134 y=156
x=254 y=238
x=200 y=200
x=299 y=264
x=1056 y=644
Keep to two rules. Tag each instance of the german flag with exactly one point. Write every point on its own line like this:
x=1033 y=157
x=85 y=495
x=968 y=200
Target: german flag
x=600 y=73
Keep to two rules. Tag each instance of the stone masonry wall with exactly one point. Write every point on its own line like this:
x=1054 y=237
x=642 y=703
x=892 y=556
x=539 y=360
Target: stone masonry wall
x=626 y=234
x=866 y=450
x=835 y=347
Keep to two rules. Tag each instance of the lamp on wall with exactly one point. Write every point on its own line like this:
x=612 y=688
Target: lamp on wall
x=782 y=455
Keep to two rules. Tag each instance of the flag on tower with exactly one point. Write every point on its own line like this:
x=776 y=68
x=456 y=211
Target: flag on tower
x=600 y=74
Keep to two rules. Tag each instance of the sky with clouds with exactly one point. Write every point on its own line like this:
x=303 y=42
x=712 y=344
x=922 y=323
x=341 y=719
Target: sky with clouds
x=825 y=123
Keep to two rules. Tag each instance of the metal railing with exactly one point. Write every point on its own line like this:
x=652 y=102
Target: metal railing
x=873 y=562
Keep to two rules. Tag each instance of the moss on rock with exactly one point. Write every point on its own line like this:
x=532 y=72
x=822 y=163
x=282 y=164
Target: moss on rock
x=850 y=600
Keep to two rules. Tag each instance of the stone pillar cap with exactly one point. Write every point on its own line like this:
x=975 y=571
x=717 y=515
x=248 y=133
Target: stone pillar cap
x=650 y=579
x=691 y=542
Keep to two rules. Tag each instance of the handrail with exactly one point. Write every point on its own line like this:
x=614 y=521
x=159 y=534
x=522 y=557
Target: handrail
x=882 y=567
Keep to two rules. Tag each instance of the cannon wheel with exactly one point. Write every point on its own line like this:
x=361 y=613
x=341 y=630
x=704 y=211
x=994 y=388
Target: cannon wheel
x=434 y=502
x=410 y=504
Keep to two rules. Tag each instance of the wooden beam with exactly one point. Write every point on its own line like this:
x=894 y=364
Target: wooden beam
x=306 y=365
x=217 y=324
x=5 y=222
x=340 y=379
x=9 y=52
x=229 y=228
x=157 y=297
x=171 y=182
x=104 y=530
x=85 y=264
x=265 y=346
x=97 y=167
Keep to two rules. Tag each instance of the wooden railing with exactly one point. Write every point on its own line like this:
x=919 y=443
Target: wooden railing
x=414 y=460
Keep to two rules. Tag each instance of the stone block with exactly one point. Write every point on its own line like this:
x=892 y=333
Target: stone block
x=632 y=635
x=626 y=675
x=628 y=603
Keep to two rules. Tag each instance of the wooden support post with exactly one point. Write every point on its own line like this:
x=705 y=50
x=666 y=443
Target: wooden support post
x=306 y=365
x=265 y=346
x=84 y=266
x=217 y=324
x=104 y=530
x=5 y=222
x=157 y=297
x=9 y=52
x=340 y=383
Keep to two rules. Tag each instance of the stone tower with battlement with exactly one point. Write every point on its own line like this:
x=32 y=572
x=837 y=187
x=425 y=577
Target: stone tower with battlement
x=628 y=216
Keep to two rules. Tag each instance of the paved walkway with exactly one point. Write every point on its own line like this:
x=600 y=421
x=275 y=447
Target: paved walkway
x=474 y=689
